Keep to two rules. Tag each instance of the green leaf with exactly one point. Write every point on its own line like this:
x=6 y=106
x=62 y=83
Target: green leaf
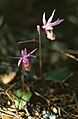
x=18 y=93
x=57 y=74
x=26 y=96
x=21 y=98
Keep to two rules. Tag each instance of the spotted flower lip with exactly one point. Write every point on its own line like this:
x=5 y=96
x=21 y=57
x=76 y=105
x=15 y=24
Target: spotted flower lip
x=25 y=57
x=48 y=25
x=50 y=35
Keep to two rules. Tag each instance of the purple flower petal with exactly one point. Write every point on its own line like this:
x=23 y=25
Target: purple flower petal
x=25 y=52
x=22 y=52
x=33 y=56
x=49 y=28
x=19 y=61
x=31 y=52
x=57 y=22
x=44 y=20
x=51 y=17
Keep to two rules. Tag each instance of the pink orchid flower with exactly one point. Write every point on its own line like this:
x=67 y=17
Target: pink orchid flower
x=48 y=26
x=25 y=57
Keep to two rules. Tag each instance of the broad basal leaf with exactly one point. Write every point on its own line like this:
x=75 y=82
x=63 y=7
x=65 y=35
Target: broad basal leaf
x=21 y=98
x=57 y=74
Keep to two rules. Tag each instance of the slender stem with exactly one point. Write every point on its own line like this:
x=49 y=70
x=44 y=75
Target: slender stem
x=22 y=77
x=40 y=57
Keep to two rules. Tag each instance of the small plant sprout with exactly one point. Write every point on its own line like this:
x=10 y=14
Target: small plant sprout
x=48 y=26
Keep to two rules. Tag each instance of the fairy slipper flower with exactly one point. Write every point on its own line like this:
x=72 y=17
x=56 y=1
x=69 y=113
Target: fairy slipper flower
x=48 y=25
x=25 y=57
